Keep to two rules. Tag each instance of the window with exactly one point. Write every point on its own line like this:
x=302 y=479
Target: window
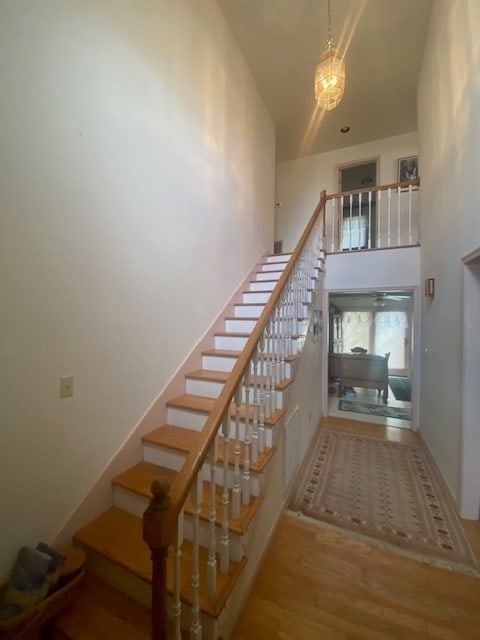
x=379 y=332
x=391 y=334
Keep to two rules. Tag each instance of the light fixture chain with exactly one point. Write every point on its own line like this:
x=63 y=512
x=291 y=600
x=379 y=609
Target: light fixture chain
x=329 y=11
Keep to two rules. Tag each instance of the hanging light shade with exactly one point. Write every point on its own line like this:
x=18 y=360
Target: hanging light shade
x=330 y=73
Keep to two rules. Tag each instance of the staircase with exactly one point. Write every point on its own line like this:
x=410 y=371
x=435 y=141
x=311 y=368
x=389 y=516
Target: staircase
x=220 y=513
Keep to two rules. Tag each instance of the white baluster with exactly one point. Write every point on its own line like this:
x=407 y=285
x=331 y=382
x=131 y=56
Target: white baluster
x=351 y=218
x=399 y=234
x=359 y=243
x=266 y=384
x=225 y=541
x=410 y=238
x=332 y=244
x=369 y=219
x=379 y=212
x=212 y=517
x=196 y=626
x=256 y=401
x=340 y=224
x=261 y=415
x=177 y=557
x=246 y=490
x=389 y=217
x=236 y=491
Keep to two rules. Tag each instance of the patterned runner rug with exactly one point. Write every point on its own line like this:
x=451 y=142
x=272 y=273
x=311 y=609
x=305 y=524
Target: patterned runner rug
x=384 y=492
x=375 y=409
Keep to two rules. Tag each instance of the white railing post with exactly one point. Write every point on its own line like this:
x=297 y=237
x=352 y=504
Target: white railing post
x=196 y=626
x=212 y=517
x=236 y=491
x=399 y=232
x=177 y=557
x=247 y=443
x=225 y=541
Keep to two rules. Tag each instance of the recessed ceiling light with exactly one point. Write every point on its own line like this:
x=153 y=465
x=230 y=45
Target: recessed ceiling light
x=345 y=129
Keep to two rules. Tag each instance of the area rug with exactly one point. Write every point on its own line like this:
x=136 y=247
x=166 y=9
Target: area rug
x=386 y=493
x=401 y=388
x=400 y=413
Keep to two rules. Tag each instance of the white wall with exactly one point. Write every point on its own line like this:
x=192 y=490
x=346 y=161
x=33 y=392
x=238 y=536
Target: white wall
x=395 y=268
x=449 y=134
x=299 y=182
x=137 y=182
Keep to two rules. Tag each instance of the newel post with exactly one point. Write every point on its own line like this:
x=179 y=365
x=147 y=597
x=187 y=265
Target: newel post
x=159 y=521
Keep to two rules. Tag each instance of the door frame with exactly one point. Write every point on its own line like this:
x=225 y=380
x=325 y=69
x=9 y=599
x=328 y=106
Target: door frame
x=415 y=337
x=347 y=165
x=468 y=493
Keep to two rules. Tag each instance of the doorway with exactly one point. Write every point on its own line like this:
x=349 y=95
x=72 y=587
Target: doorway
x=370 y=346
x=357 y=226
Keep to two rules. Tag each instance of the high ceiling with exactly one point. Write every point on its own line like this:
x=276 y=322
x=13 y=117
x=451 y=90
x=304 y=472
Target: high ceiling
x=383 y=40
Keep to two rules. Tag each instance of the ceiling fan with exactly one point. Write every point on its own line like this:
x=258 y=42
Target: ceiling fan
x=380 y=298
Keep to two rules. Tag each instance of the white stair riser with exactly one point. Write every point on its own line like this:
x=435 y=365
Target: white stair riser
x=218 y=363
x=240 y=325
x=211 y=389
x=284 y=257
x=256 y=296
x=175 y=461
x=207 y=388
x=248 y=311
x=273 y=266
x=196 y=421
x=230 y=343
x=268 y=275
x=136 y=505
x=262 y=285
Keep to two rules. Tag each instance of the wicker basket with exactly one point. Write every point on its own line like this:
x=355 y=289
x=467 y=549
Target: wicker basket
x=29 y=624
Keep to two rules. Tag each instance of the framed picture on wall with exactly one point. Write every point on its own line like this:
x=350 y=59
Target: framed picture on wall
x=407 y=168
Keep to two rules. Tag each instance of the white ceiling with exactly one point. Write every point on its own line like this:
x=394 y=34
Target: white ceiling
x=383 y=42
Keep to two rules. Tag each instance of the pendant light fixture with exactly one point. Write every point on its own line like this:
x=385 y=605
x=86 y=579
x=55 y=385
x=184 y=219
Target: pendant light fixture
x=330 y=72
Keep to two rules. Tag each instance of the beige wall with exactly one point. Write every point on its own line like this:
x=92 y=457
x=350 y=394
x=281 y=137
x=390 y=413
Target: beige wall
x=137 y=181
x=299 y=182
x=449 y=134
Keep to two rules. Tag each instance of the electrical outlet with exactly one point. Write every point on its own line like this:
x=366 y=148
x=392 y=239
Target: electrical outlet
x=66 y=387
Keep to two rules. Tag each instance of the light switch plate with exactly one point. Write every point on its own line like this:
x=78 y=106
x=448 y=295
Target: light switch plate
x=66 y=387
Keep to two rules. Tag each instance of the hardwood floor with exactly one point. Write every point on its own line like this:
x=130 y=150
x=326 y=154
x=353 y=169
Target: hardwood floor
x=322 y=585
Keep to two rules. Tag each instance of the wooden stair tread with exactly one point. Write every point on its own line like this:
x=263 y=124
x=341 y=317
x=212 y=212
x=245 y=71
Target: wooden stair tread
x=173 y=437
x=117 y=536
x=222 y=353
x=233 y=334
x=102 y=611
x=203 y=404
x=249 y=304
x=181 y=439
x=138 y=479
x=208 y=374
x=259 y=290
x=241 y=318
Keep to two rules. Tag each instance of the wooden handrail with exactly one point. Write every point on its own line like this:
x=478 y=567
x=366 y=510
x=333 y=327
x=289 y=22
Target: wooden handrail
x=197 y=455
x=403 y=185
x=160 y=520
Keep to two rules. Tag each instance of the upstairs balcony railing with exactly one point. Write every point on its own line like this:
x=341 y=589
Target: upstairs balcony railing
x=379 y=218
